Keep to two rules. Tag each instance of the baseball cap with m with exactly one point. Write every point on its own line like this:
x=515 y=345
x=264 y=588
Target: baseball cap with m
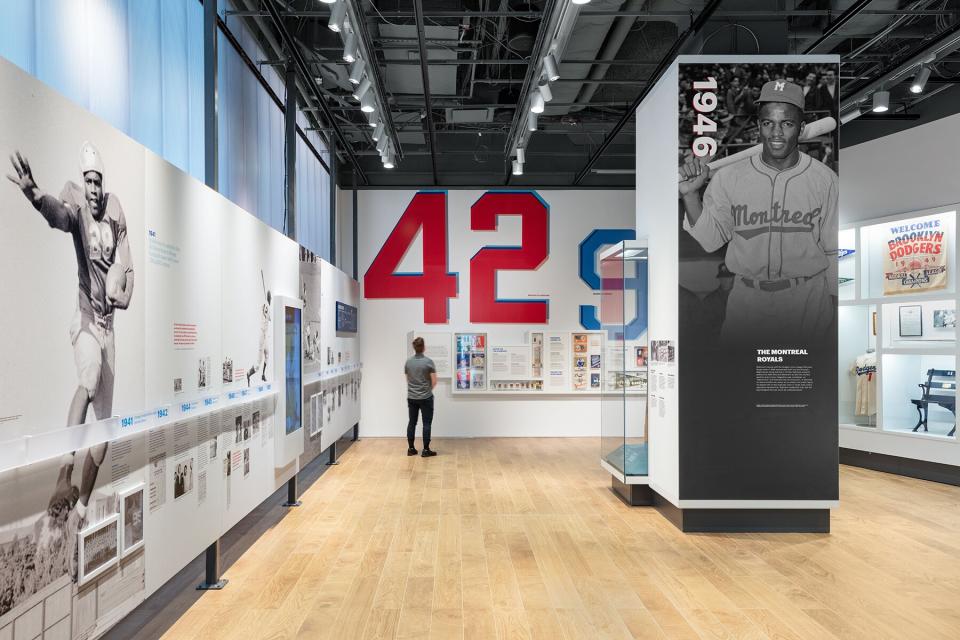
x=781 y=91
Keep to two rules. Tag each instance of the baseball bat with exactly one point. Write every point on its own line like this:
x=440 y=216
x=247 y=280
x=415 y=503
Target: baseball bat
x=811 y=130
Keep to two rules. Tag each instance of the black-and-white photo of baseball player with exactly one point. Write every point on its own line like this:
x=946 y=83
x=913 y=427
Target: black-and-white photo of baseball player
x=263 y=350
x=767 y=199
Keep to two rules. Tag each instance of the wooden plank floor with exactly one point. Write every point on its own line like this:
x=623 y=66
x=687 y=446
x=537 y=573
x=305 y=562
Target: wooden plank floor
x=522 y=538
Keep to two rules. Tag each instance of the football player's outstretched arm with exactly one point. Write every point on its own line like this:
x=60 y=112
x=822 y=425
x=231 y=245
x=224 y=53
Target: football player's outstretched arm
x=56 y=212
x=125 y=262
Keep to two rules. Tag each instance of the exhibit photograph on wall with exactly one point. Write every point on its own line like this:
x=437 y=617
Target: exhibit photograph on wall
x=758 y=215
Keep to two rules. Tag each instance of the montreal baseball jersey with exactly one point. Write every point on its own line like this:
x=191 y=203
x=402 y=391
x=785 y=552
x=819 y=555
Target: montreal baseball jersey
x=777 y=224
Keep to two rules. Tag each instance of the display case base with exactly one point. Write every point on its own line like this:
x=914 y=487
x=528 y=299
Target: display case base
x=744 y=520
x=932 y=471
x=635 y=495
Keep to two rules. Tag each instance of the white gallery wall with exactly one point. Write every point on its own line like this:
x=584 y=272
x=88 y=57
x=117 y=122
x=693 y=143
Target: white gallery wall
x=912 y=170
x=182 y=375
x=385 y=323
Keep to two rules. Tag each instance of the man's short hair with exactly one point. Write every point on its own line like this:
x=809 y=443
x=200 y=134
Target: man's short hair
x=418 y=345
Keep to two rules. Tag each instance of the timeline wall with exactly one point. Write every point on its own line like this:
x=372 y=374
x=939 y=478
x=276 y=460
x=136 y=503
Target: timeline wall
x=542 y=264
x=137 y=412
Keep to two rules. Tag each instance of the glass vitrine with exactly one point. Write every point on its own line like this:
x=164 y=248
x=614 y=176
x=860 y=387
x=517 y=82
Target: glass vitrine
x=623 y=401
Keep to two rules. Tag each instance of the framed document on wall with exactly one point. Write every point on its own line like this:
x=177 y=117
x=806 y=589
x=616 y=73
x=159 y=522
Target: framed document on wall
x=911 y=321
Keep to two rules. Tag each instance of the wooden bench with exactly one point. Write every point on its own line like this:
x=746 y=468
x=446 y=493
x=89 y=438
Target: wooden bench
x=941 y=389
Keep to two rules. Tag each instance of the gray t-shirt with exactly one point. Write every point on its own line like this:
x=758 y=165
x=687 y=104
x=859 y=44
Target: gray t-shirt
x=418 y=369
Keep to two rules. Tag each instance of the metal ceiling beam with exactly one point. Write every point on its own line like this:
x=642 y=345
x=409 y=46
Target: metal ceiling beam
x=425 y=74
x=641 y=15
x=705 y=14
x=476 y=61
x=852 y=12
x=301 y=65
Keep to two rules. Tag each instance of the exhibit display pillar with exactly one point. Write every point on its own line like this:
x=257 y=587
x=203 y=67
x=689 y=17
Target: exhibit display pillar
x=743 y=289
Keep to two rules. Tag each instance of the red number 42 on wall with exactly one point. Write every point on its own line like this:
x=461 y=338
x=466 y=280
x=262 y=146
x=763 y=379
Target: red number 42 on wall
x=435 y=285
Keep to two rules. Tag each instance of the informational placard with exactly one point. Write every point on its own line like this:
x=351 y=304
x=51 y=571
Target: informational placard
x=915 y=256
x=510 y=362
x=557 y=361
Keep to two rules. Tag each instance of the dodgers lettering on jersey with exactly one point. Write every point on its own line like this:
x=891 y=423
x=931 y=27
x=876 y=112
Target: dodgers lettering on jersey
x=773 y=222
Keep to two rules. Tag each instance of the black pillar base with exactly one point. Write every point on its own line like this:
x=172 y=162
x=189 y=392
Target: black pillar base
x=211 y=579
x=333 y=455
x=635 y=495
x=292 y=491
x=744 y=520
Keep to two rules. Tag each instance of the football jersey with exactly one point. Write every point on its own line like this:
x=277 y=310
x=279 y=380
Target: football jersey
x=776 y=224
x=94 y=241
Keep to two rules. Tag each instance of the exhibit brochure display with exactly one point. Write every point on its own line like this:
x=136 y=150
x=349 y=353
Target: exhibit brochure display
x=743 y=335
x=139 y=419
x=898 y=343
x=623 y=403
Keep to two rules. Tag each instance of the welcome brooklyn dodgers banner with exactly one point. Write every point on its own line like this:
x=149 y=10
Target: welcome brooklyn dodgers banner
x=757 y=340
x=915 y=257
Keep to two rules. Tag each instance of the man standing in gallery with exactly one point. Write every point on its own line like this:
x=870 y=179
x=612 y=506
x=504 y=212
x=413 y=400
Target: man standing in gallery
x=776 y=212
x=421 y=379
x=95 y=220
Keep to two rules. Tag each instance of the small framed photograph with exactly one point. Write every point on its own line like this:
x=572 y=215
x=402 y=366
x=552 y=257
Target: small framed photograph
x=911 y=321
x=99 y=549
x=131 y=520
x=944 y=318
x=874 y=323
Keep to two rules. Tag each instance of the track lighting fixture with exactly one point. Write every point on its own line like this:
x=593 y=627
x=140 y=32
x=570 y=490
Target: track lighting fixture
x=536 y=102
x=531 y=121
x=366 y=103
x=390 y=162
x=382 y=143
x=851 y=114
x=337 y=16
x=350 y=47
x=517 y=168
x=378 y=132
x=920 y=82
x=356 y=71
x=372 y=119
x=550 y=71
x=546 y=91
x=362 y=89
x=328 y=1
x=580 y=1
x=881 y=101
x=521 y=155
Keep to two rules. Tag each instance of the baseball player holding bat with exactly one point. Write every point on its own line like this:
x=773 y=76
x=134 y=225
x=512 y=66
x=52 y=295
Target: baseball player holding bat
x=777 y=213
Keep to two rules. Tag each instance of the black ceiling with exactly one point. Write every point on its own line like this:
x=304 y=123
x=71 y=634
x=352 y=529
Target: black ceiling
x=479 y=53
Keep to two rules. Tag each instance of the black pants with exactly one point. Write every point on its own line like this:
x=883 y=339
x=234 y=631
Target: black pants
x=414 y=407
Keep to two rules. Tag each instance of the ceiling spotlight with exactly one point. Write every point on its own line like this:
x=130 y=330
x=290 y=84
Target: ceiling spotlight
x=390 y=162
x=920 y=81
x=531 y=121
x=350 y=47
x=378 y=131
x=372 y=120
x=517 y=168
x=366 y=104
x=550 y=68
x=356 y=71
x=536 y=102
x=580 y=1
x=382 y=144
x=521 y=155
x=328 y=1
x=337 y=15
x=881 y=101
x=362 y=89
x=546 y=91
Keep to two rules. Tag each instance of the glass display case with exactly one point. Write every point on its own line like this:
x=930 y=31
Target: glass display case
x=897 y=325
x=623 y=400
